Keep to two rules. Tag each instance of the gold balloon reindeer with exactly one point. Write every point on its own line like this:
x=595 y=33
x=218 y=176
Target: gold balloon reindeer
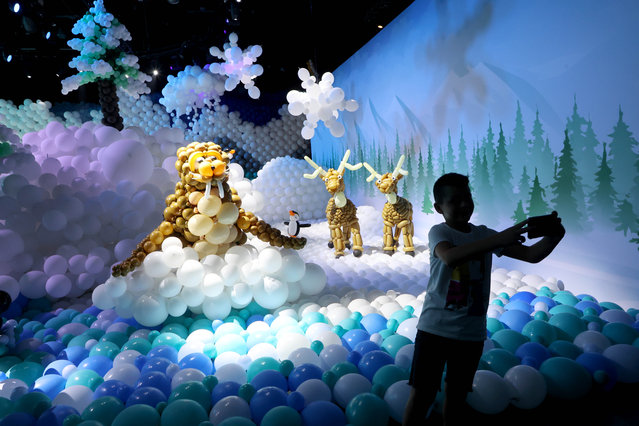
x=204 y=212
x=341 y=213
x=397 y=212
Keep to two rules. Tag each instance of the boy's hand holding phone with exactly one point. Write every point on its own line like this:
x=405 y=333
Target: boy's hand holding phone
x=545 y=226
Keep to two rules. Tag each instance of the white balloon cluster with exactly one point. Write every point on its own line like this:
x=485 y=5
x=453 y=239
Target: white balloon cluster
x=143 y=113
x=282 y=179
x=192 y=89
x=319 y=101
x=238 y=66
x=173 y=280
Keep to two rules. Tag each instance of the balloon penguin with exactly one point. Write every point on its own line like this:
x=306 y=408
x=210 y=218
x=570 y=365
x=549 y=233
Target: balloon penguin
x=294 y=225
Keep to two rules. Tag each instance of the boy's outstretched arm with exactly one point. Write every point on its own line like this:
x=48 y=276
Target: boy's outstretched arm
x=455 y=255
x=538 y=251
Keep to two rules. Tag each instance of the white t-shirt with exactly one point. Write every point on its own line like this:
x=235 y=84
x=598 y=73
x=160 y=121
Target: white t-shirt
x=457 y=298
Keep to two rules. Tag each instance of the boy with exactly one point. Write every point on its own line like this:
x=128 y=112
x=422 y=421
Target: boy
x=452 y=326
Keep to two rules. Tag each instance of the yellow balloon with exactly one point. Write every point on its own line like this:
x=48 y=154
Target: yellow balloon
x=228 y=214
x=209 y=206
x=200 y=224
x=218 y=234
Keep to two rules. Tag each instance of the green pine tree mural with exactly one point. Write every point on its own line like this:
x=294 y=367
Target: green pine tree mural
x=450 y=155
x=536 y=145
x=604 y=196
x=462 y=159
x=622 y=155
x=564 y=188
x=488 y=146
x=502 y=175
x=518 y=148
x=519 y=214
x=524 y=183
x=537 y=206
x=625 y=218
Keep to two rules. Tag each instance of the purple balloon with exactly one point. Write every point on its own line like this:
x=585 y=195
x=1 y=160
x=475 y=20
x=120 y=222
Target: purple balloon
x=75 y=328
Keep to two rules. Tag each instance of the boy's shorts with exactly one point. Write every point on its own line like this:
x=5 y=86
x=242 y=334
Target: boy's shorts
x=432 y=352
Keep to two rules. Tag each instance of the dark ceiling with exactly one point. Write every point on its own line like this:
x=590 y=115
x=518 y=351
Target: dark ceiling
x=174 y=33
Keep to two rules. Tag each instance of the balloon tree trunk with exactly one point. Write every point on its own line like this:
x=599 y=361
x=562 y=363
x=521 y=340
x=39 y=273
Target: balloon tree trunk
x=109 y=104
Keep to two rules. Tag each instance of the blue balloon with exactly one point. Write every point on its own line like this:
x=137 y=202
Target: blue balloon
x=533 y=354
x=254 y=318
x=50 y=385
x=585 y=304
x=355 y=336
x=602 y=369
x=526 y=296
x=155 y=364
x=303 y=373
x=22 y=419
x=366 y=346
x=373 y=361
x=224 y=389
x=354 y=357
x=164 y=351
x=54 y=416
x=57 y=366
x=75 y=354
x=515 y=319
x=321 y=413
x=265 y=399
x=99 y=363
x=520 y=305
x=547 y=300
x=373 y=322
x=296 y=401
x=199 y=361
x=115 y=388
x=55 y=347
x=155 y=379
x=269 y=378
x=146 y=395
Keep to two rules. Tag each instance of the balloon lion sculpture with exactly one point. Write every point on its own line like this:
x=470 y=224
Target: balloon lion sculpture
x=204 y=212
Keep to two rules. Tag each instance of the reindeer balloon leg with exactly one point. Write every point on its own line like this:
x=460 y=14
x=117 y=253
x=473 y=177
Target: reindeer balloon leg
x=341 y=213
x=397 y=212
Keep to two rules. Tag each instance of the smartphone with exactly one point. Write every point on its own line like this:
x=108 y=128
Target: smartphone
x=542 y=225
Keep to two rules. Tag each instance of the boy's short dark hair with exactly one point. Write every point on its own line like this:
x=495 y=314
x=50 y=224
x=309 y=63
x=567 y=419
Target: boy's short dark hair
x=449 y=179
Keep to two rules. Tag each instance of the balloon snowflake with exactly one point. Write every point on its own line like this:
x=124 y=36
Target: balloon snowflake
x=238 y=66
x=320 y=101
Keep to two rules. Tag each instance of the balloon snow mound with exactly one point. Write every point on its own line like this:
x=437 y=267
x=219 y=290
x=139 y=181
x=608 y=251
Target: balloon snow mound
x=73 y=199
x=238 y=66
x=102 y=36
x=192 y=89
x=319 y=101
x=32 y=116
x=283 y=179
x=143 y=113
x=173 y=280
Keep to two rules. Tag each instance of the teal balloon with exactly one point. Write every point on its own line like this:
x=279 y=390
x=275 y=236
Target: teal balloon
x=342 y=368
x=594 y=322
x=183 y=412
x=34 y=403
x=6 y=362
x=115 y=337
x=568 y=325
x=286 y=367
x=565 y=298
x=539 y=331
x=79 y=340
x=367 y=409
x=619 y=332
x=330 y=378
x=261 y=364
x=27 y=371
x=389 y=374
x=394 y=343
x=509 y=339
x=565 y=309
x=610 y=305
x=136 y=415
x=175 y=328
x=349 y=324
x=108 y=349
x=137 y=344
x=493 y=325
x=317 y=346
x=281 y=415
x=236 y=421
x=210 y=382
x=195 y=391
x=104 y=410
x=541 y=315
x=565 y=349
x=169 y=339
x=401 y=315
x=566 y=378
x=88 y=378
x=201 y=324
x=499 y=360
